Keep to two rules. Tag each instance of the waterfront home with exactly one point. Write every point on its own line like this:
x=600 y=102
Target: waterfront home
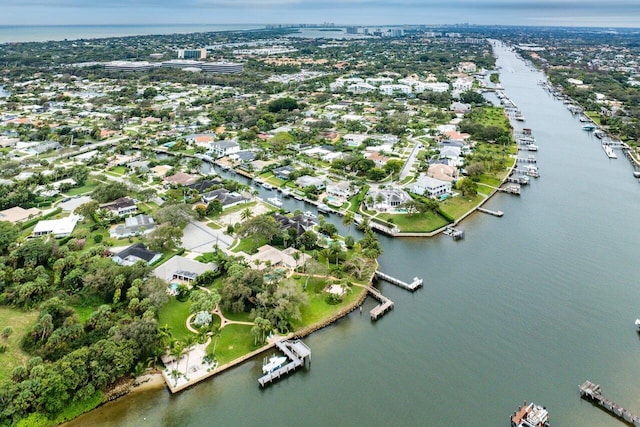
x=343 y=189
x=300 y=223
x=283 y=172
x=223 y=148
x=135 y=253
x=385 y=199
x=120 y=207
x=204 y=185
x=275 y=258
x=443 y=172
x=58 y=228
x=182 y=269
x=307 y=181
x=226 y=197
x=431 y=187
x=133 y=226
x=17 y=214
x=181 y=178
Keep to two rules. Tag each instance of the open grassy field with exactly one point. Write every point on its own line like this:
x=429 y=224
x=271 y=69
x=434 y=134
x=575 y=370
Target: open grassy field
x=88 y=187
x=416 y=223
x=491 y=116
x=20 y=322
x=234 y=341
x=458 y=206
x=174 y=314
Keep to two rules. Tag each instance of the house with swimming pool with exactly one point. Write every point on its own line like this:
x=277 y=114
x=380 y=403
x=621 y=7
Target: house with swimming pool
x=182 y=270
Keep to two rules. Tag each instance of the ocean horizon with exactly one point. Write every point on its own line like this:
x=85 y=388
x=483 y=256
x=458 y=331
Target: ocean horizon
x=41 y=33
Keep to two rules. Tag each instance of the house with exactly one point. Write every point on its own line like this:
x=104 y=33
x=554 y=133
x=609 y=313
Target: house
x=300 y=223
x=269 y=256
x=344 y=189
x=307 y=181
x=133 y=226
x=245 y=156
x=431 y=187
x=354 y=139
x=224 y=148
x=443 y=172
x=161 y=170
x=181 y=178
x=135 y=253
x=227 y=198
x=385 y=199
x=462 y=84
x=141 y=165
x=202 y=186
x=283 y=172
x=377 y=158
x=62 y=227
x=120 y=207
x=182 y=269
x=17 y=214
x=467 y=67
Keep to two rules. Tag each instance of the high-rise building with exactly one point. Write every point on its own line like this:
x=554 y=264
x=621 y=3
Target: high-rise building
x=192 y=53
x=352 y=30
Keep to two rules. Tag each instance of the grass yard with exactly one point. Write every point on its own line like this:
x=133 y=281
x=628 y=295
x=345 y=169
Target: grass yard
x=174 y=314
x=416 y=223
x=593 y=115
x=271 y=179
x=20 y=322
x=458 y=206
x=86 y=188
x=234 y=341
x=491 y=116
x=118 y=170
x=249 y=245
x=484 y=189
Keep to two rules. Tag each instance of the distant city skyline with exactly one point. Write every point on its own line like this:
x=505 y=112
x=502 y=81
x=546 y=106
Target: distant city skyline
x=615 y=13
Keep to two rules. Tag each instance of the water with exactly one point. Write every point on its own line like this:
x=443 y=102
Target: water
x=526 y=307
x=40 y=33
x=3 y=92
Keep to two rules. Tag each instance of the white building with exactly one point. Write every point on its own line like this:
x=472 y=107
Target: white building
x=395 y=89
x=344 y=189
x=431 y=187
x=361 y=88
x=463 y=84
x=224 y=148
x=57 y=227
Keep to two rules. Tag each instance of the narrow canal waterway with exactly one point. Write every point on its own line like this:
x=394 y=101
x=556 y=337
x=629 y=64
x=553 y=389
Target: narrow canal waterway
x=526 y=307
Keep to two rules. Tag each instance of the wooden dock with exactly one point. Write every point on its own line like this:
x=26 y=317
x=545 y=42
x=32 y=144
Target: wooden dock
x=297 y=352
x=527 y=160
x=417 y=283
x=511 y=189
x=490 y=212
x=381 y=309
x=591 y=392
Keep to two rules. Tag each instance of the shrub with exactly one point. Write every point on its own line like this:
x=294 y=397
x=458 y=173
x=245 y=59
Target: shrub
x=98 y=238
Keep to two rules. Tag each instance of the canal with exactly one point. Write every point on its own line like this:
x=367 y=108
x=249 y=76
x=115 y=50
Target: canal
x=526 y=307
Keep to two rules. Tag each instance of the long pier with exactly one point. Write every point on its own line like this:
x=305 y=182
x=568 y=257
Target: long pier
x=591 y=392
x=417 y=283
x=490 y=212
x=381 y=309
x=297 y=352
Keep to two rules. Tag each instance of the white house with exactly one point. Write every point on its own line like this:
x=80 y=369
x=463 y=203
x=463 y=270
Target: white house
x=385 y=199
x=307 y=180
x=224 y=148
x=62 y=227
x=431 y=187
x=394 y=89
x=344 y=189
x=462 y=84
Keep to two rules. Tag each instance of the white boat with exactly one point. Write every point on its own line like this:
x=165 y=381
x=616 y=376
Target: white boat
x=638 y=324
x=310 y=214
x=609 y=151
x=267 y=186
x=324 y=208
x=274 y=363
x=275 y=201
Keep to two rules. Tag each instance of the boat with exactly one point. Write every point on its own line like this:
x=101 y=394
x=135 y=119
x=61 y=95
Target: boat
x=599 y=134
x=609 y=151
x=588 y=127
x=275 y=201
x=530 y=415
x=324 y=208
x=638 y=324
x=532 y=171
x=636 y=174
x=310 y=215
x=585 y=119
x=267 y=186
x=519 y=117
x=273 y=363
x=532 y=147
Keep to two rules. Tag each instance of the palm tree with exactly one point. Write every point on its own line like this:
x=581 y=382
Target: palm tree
x=246 y=214
x=189 y=342
x=347 y=220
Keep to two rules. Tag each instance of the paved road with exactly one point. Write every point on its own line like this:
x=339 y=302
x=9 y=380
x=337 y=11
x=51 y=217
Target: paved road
x=406 y=170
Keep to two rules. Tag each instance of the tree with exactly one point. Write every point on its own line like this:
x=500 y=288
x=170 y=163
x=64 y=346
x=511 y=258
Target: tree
x=280 y=104
x=347 y=220
x=177 y=215
x=246 y=214
x=87 y=209
x=6 y=333
x=108 y=192
x=201 y=211
x=150 y=92
x=8 y=234
x=281 y=141
x=214 y=207
x=474 y=170
x=260 y=227
x=468 y=187
x=204 y=301
x=165 y=238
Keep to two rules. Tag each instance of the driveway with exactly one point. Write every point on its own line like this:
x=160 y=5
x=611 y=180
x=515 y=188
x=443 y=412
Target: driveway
x=198 y=237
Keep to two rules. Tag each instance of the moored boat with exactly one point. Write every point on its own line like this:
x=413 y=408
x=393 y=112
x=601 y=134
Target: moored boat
x=609 y=151
x=273 y=363
x=530 y=415
x=588 y=127
x=275 y=201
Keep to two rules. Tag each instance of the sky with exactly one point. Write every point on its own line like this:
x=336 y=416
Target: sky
x=605 y=13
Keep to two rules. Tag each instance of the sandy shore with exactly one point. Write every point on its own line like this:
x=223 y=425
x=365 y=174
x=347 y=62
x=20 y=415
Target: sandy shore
x=148 y=382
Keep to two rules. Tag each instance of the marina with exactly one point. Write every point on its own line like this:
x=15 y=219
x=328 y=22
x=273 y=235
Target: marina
x=298 y=354
x=592 y=393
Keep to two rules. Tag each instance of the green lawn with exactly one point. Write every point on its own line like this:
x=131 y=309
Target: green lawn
x=458 y=206
x=484 y=189
x=174 y=314
x=271 y=179
x=86 y=188
x=593 y=115
x=416 y=223
x=118 y=170
x=234 y=341
x=491 y=116
x=489 y=180
x=20 y=322
x=249 y=245
x=317 y=309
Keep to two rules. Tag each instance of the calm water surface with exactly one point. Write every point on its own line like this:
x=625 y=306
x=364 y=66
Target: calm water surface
x=526 y=307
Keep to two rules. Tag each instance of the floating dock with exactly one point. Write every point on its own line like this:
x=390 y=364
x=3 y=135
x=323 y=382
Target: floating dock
x=297 y=352
x=417 y=283
x=381 y=309
x=591 y=392
x=490 y=212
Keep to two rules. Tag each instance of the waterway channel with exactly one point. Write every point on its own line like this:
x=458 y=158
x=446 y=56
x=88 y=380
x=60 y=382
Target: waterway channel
x=526 y=307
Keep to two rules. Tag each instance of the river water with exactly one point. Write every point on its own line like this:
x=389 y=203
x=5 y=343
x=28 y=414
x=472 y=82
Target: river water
x=526 y=307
